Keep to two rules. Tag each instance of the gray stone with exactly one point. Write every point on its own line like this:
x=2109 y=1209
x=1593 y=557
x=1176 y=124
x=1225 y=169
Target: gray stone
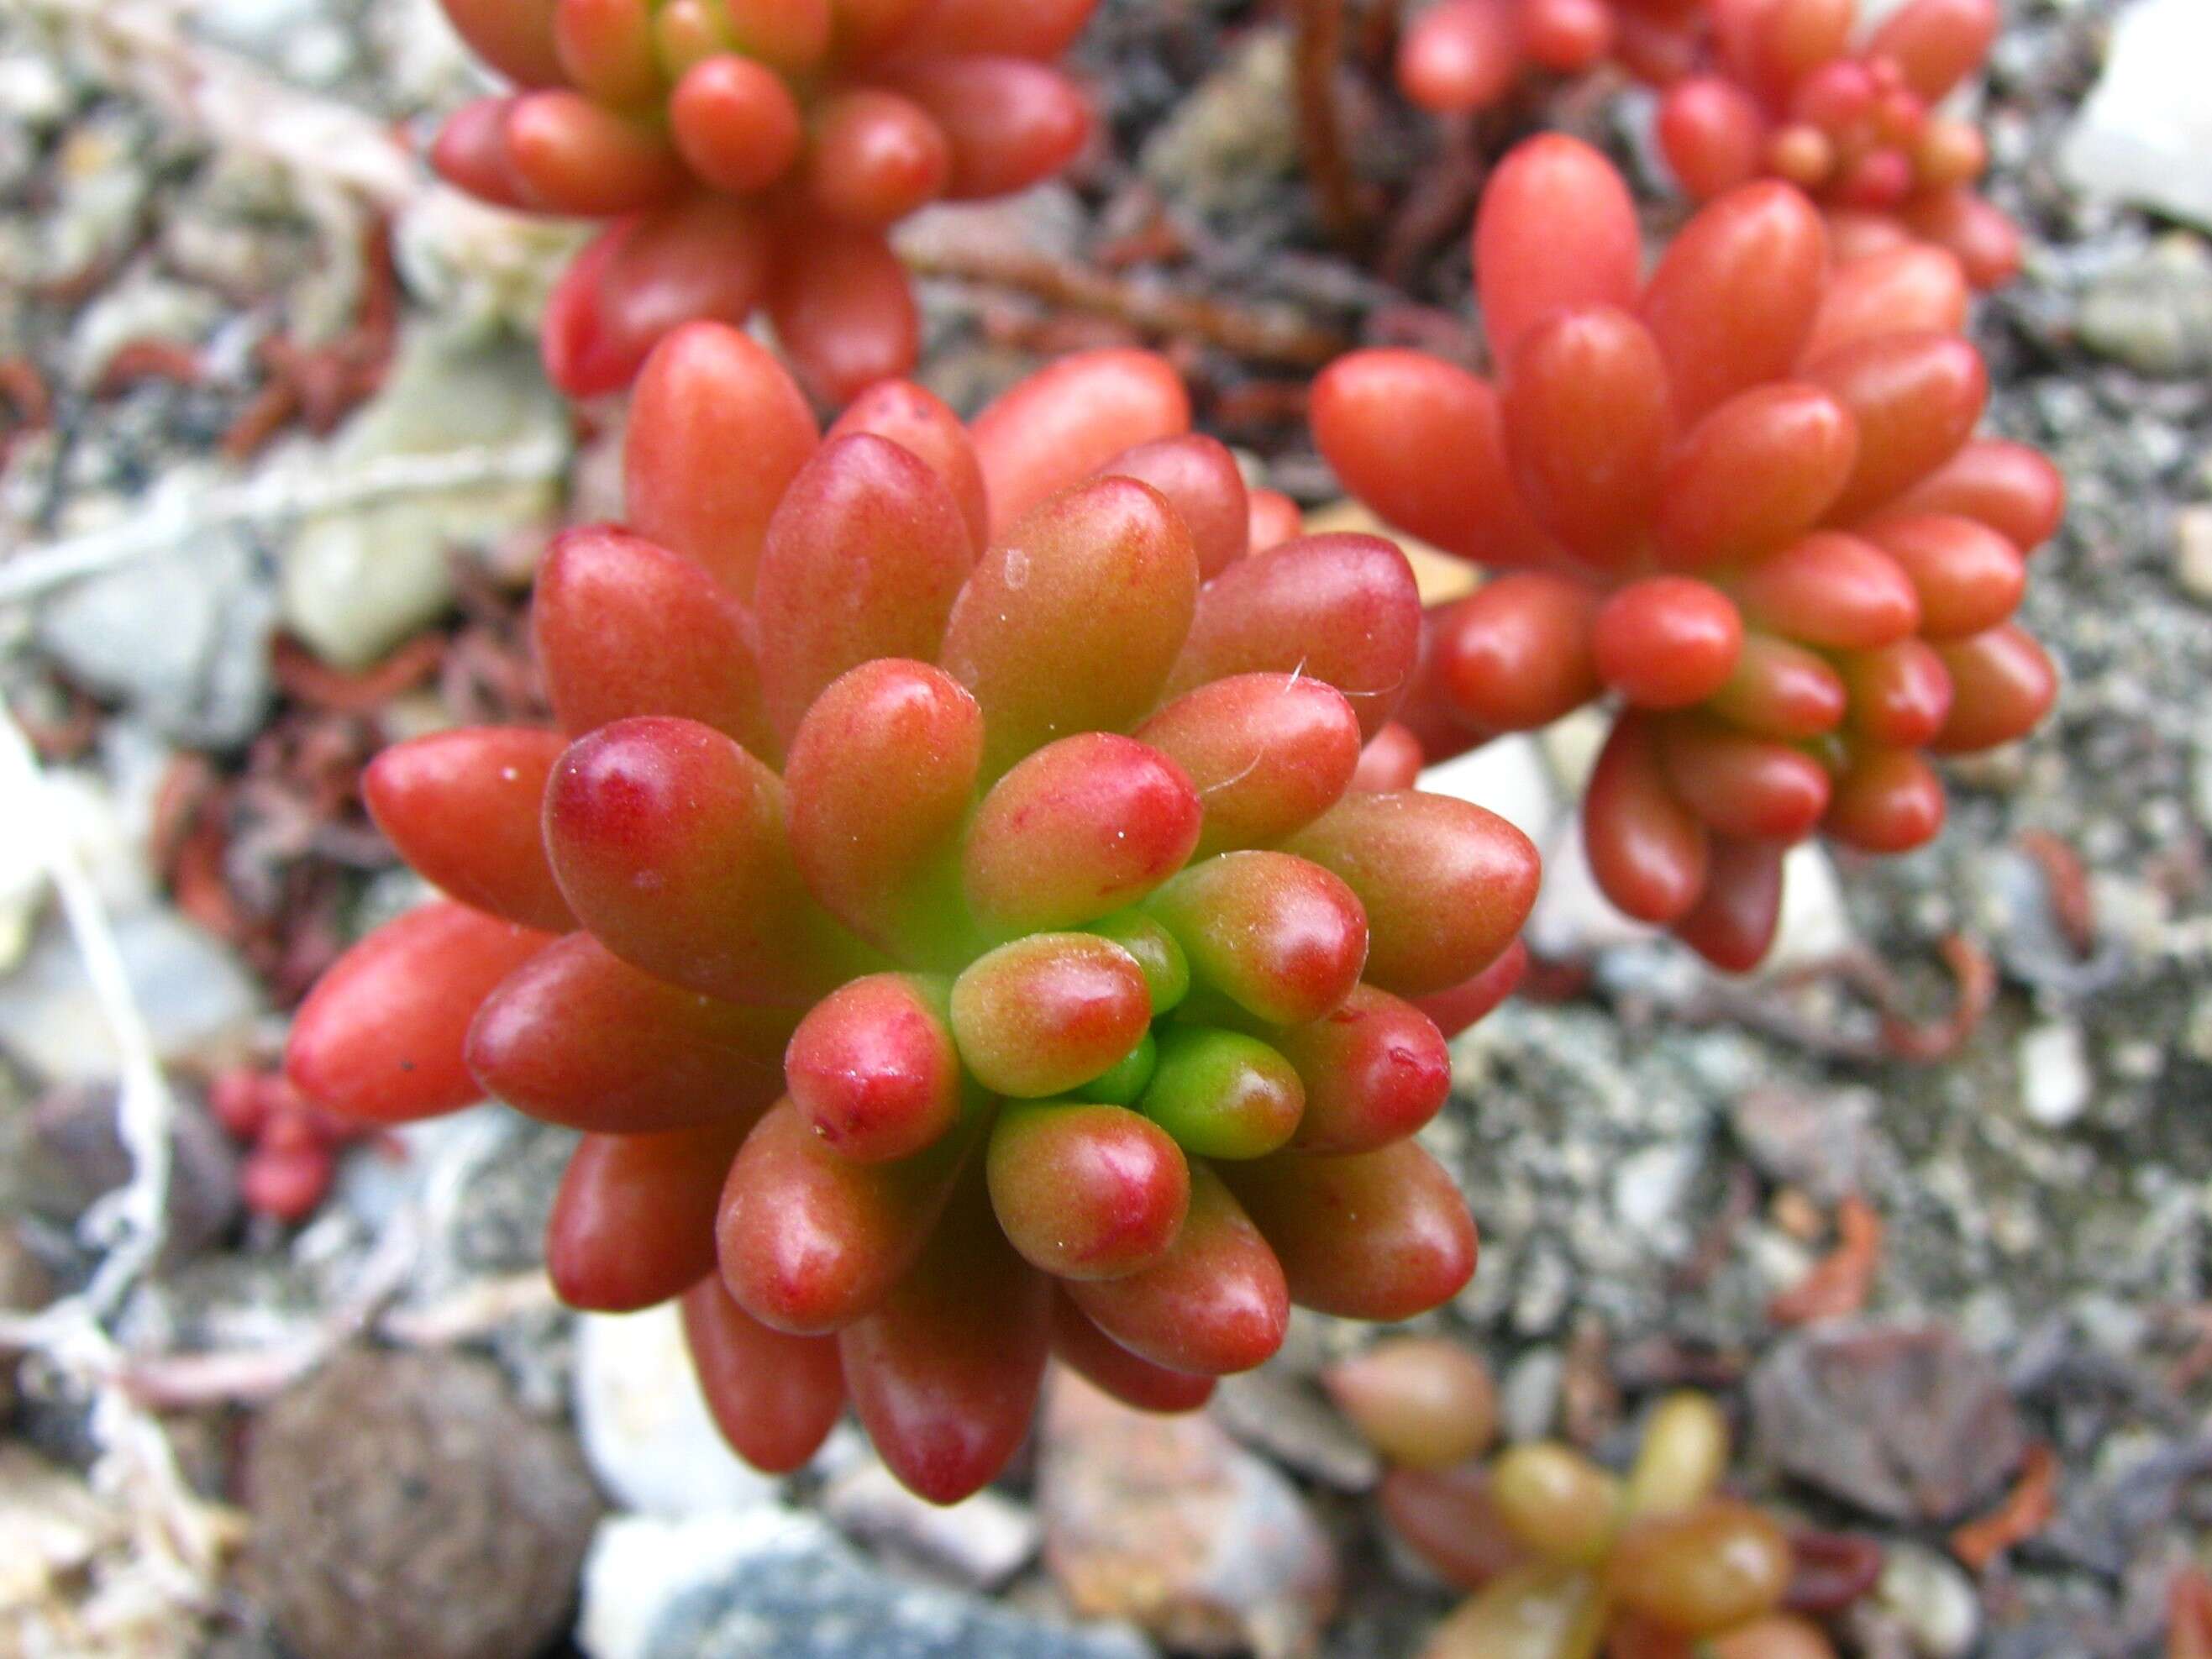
x=183 y=637
x=1168 y=1522
x=772 y=1584
x=981 y=1541
x=2154 y=312
x=1267 y=1410
x=191 y=990
x=358 y=581
x=1906 y=1422
x=1233 y=139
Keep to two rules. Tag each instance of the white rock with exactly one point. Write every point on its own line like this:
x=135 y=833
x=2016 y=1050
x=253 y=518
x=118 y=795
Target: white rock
x=2055 y=1079
x=192 y=992
x=2145 y=135
x=1931 y=1599
x=183 y=637
x=1814 y=926
x=982 y=1540
x=1648 y=1191
x=1509 y=776
x=644 y=1425
x=2192 y=550
x=639 y=1564
x=357 y=582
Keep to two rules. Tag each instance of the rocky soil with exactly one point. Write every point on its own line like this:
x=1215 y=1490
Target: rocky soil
x=275 y=461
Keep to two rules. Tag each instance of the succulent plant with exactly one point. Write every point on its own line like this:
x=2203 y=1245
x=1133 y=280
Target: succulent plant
x=1743 y=499
x=1567 y=1560
x=754 y=153
x=946 y=911
x=1856 y=125
x=1464 y=55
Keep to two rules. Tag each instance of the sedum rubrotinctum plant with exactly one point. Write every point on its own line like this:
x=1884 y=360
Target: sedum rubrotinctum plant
x=752 y=153
x=947 y=911
x=1797 y=90
x=1741 y=498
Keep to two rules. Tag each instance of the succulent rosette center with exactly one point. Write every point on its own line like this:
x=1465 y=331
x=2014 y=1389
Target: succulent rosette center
x=946 y=911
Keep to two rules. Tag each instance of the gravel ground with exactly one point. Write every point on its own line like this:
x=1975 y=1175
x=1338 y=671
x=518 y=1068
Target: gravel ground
x=1653 y=1156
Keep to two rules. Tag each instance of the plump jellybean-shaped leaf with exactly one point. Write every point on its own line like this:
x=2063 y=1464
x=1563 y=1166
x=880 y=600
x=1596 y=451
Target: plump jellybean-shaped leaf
x=1968 y=577
x=1832 y=591
x=622 y=627
x=873 y=1069
x=2012 y=489
x=1266 y=753
x=2002 y=683
x=576 y=1036
x=1202 y=482
x=1424 y=1402
x=773 y=1395
x=1223 y=1094
x=1733 y=300
x=1746 y=787
x=1375 y=1069
x=1647 y=850
x=1916 y=398
x=1071 y=620
x=1557 y=231
x=1057 y=428
x=1341 y=608
x=381 y=1035
x=843 y=310
x=1083 y=1348
x=1423 y=442
x=515 y=37
x=1046 y=1013
x=1884 y=800
x=864 y=555
x=1079 y=830
x=918 y=421
x=717 y=432
x=1279 y=936
x=633 y=1222
x=668 y=841
x=1703 y=1571
x=735 y=123
x=1455 y=1009
x=1781 y=690
x=572 y=155
x=1754 y=475
x=1086 y=1190
x=462 y=808
x=1667 y=641
x=704 y=258
x=1216 y=1303
x=881 y=774
x=808 y=1241
x=1515 y=654
x=1900 y=694
x=1587 y=427
x=1732 y=925
x=945 y=1373
x=1902 y=290
x=1445 y=885
x=1009 y=123
x=1412 y=1250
